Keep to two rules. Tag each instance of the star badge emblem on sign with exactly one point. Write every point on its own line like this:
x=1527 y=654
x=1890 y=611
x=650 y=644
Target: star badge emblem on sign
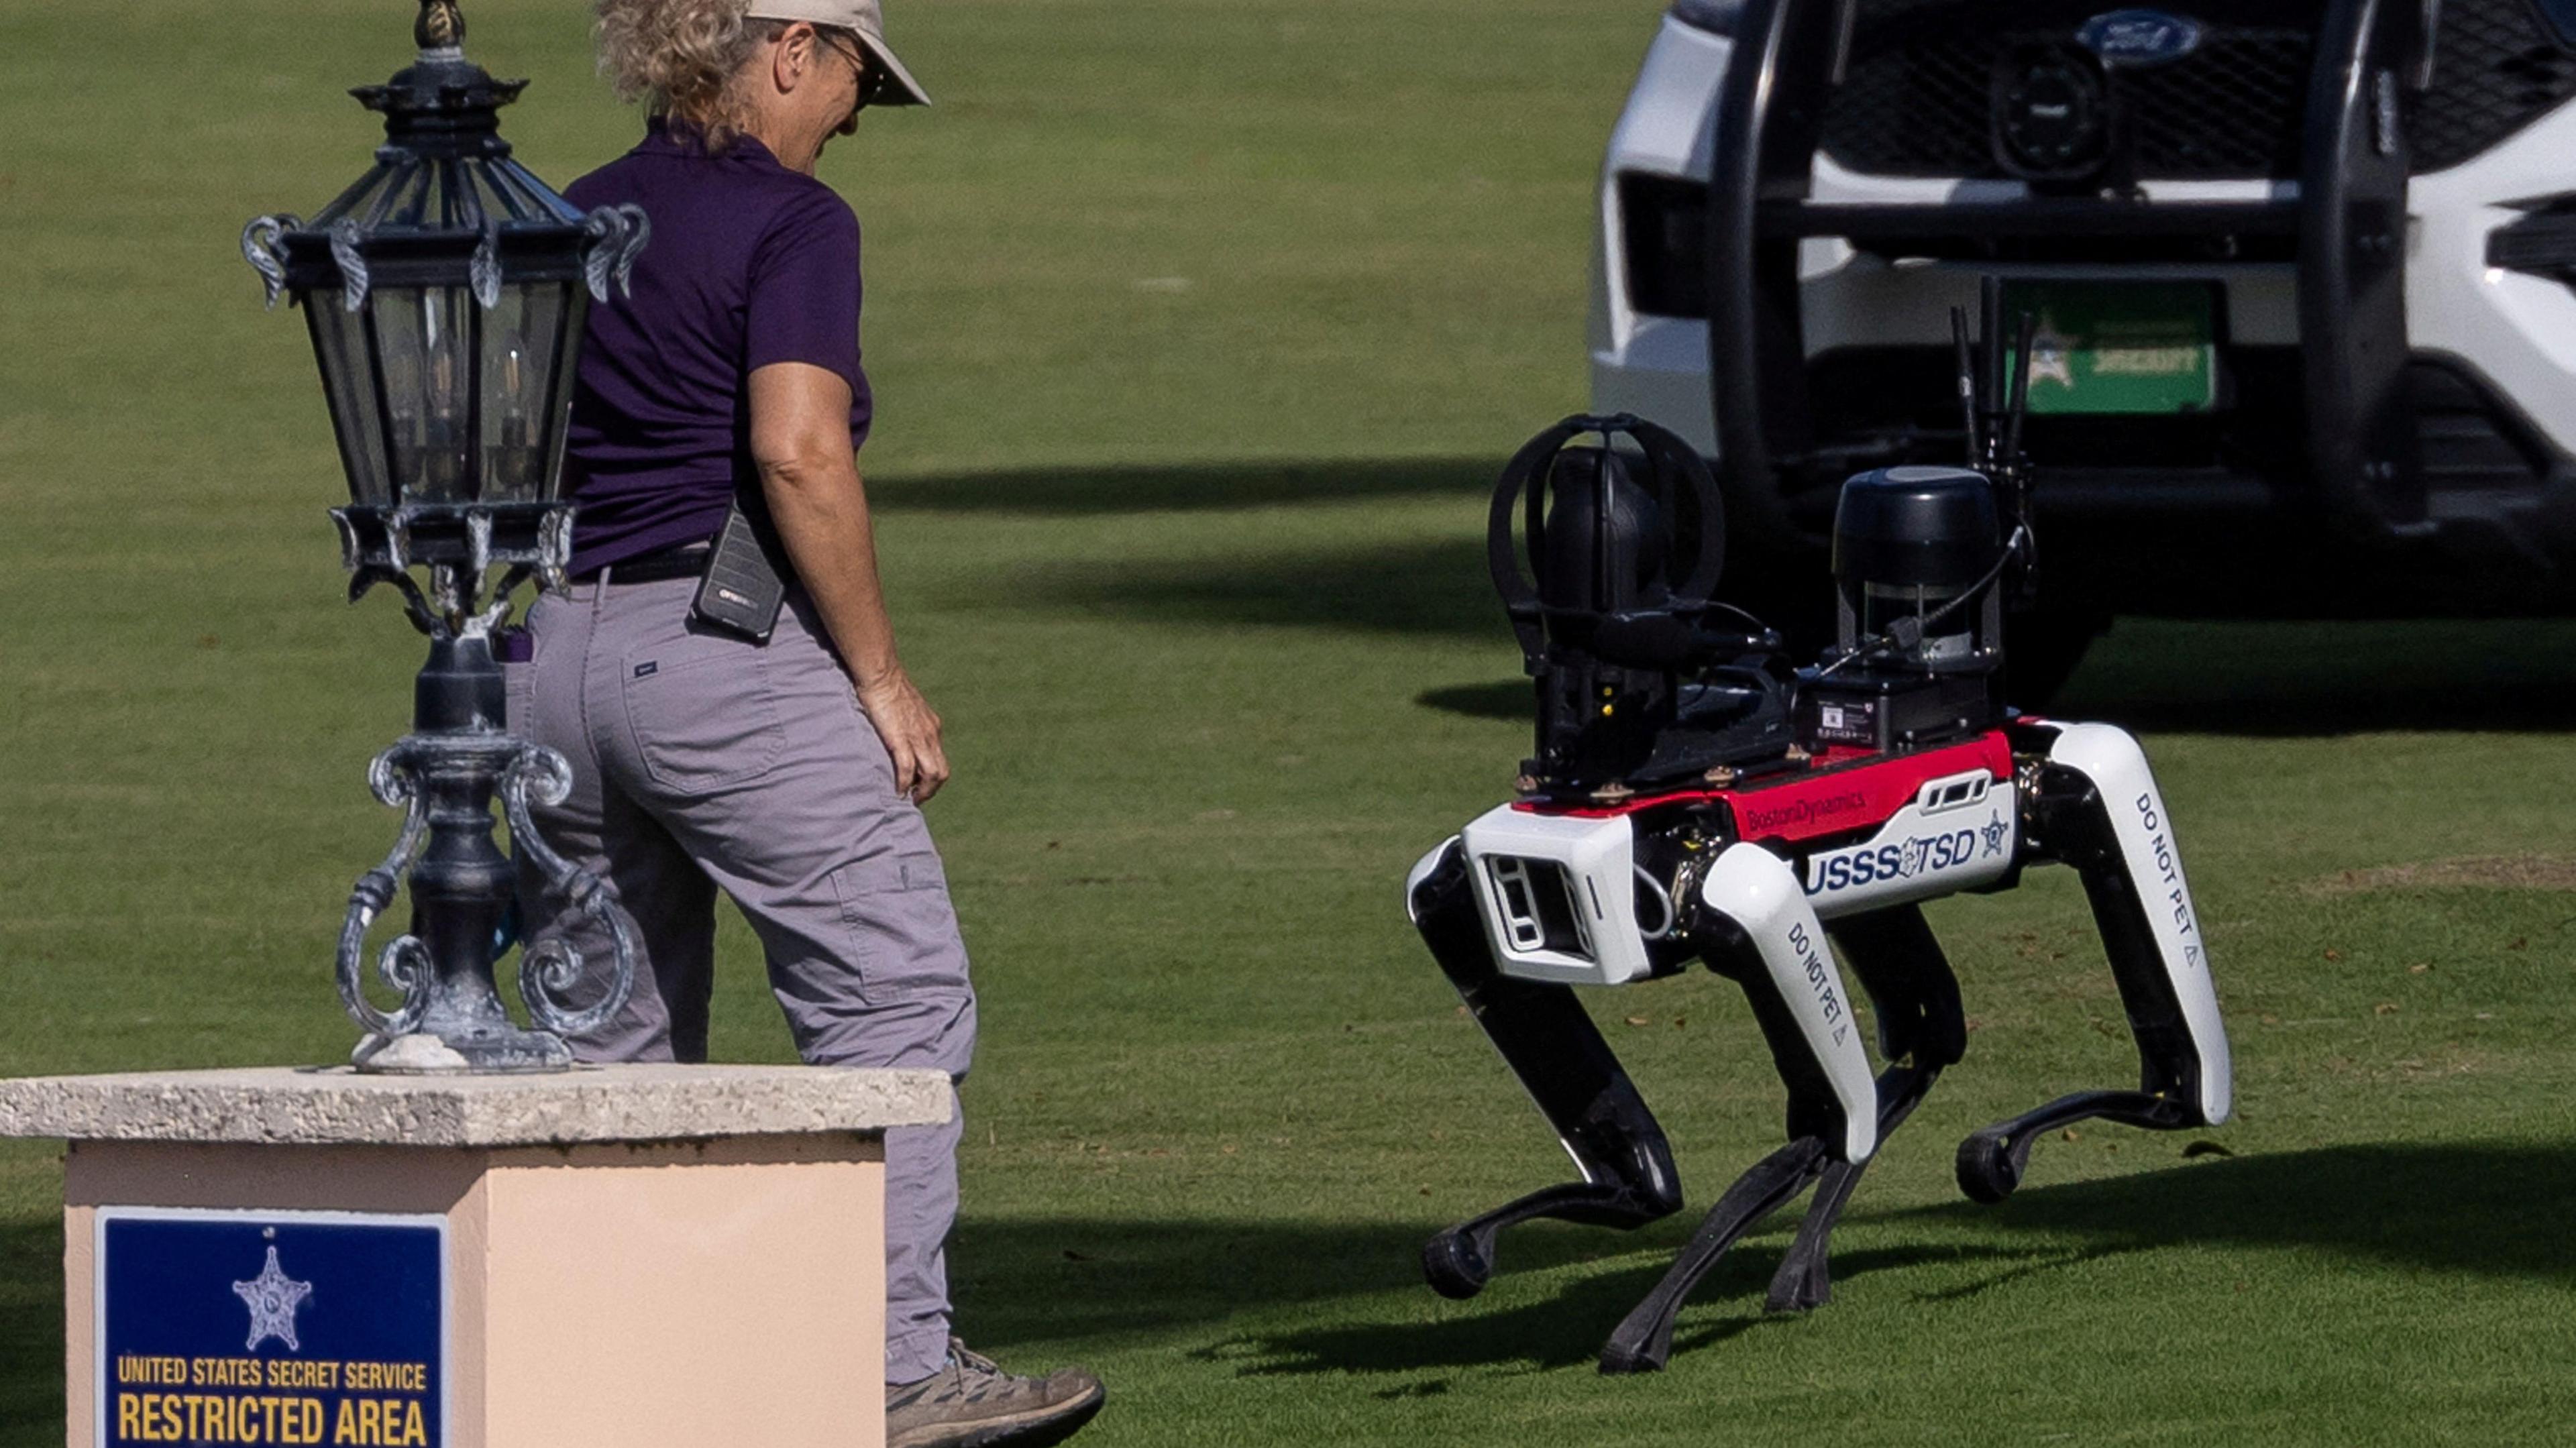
x=2051 y=360
x=272 y=1298
x=1994 y=833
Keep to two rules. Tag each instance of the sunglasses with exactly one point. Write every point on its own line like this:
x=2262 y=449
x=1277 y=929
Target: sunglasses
x=873 y=78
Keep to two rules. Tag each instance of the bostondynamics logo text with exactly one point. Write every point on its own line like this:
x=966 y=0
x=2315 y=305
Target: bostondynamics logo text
x=1757 y=818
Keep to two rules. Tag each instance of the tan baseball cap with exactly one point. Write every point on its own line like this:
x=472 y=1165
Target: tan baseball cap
x=866 y=19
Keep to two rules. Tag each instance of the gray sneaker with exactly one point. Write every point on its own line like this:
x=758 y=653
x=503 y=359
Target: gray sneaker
x=971 y=1403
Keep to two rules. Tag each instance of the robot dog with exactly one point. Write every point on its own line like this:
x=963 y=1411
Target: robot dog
x=1695 y=798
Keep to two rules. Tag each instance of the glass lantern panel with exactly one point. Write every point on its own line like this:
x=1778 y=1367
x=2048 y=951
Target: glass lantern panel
x=426 y=337
x=522 y=342
x=349 y=384
x=567 y=364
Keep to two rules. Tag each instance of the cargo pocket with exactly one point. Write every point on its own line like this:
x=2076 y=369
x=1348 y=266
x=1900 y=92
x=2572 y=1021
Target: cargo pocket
x=699 y=713
x=903 y=927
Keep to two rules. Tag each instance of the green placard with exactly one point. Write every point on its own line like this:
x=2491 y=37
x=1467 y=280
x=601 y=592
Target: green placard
x=2119 y=347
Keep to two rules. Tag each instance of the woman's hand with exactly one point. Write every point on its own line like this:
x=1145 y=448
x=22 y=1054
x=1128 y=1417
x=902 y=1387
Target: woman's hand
x=800 y=437
x=910 y=729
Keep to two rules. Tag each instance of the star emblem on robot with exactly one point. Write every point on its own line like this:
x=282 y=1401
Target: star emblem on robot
x=272 y=1298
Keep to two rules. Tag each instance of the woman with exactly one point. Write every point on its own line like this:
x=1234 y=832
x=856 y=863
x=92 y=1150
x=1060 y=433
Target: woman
x=787 y=773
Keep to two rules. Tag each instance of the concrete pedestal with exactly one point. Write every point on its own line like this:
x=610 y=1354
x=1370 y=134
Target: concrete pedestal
x=633 y=1255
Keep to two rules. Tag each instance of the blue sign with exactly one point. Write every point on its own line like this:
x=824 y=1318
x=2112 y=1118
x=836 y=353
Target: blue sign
x=218 y=1327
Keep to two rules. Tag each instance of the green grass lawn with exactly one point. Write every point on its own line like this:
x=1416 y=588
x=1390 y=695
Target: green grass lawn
x=1198 y=327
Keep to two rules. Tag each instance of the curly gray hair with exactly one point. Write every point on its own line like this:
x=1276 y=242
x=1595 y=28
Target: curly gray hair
x=681 y=58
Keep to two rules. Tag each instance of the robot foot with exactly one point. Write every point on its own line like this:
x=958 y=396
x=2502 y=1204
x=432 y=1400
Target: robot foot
x=1804 y=1281
x=1460 y=1261
x=1644 y=1339
x=1992 y=1159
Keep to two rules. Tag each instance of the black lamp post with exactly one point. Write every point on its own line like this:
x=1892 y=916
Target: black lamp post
x=445 y=292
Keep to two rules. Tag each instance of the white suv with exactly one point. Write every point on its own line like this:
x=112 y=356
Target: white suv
x=2301 y=271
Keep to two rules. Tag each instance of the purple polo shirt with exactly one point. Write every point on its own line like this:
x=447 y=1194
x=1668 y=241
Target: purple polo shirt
x=749 y=264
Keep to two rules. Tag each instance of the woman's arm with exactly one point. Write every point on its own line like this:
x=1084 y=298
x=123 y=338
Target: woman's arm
x=800 y=439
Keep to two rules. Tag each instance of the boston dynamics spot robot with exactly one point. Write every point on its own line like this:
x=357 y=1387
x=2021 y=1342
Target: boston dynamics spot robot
x=1694 y=797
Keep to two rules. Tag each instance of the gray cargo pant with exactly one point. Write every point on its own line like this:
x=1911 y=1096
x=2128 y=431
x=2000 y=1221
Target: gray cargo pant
x=701 y=762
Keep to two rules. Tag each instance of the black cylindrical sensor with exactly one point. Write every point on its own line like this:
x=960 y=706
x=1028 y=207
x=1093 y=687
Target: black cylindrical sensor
x=1910 y=526
x=1908 y=541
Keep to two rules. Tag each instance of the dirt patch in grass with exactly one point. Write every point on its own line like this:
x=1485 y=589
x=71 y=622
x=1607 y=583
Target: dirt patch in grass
x=2469 y=872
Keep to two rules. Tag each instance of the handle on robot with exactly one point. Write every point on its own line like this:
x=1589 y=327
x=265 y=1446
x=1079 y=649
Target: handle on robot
x=1519 y=482
x=1523 y=486
x=1799 y=996
x=1675 y=458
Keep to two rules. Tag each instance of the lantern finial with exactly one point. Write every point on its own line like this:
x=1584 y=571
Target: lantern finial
x=441 y=25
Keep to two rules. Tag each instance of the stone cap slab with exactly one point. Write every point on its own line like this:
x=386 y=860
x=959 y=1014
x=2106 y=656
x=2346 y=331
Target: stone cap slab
x=336 y=1106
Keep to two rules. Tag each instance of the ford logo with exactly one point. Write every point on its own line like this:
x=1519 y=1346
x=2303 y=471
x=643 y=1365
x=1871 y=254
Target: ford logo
x=2139 y=37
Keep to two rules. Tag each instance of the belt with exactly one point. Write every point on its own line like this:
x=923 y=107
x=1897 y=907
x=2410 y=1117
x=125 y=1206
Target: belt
x=686 y=560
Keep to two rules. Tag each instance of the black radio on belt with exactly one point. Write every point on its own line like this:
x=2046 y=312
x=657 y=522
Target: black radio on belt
x=741 y=590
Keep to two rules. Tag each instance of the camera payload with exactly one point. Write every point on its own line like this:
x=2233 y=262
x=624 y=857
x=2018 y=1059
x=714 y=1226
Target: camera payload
x=1694 y=795
x=1916 y=554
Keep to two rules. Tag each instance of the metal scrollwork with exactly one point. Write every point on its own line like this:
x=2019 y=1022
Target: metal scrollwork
x=639 y=230
x=497 y=611
x=260 y=246
x=617 y=237
x=346 y=234
x=448 y=590
x=606 y=230
x=478 y=549
x=415 y=605
x=549 y=964
x=554 y=548
x=404 y=963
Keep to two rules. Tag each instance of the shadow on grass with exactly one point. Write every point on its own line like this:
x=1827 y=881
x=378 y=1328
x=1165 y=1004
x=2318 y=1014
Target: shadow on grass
x=1510 y=699
x=1416 y=586
x=31 y=1331
x=2489 y=1209
x=2325 y=679
x=1189 y=488
x=2471 y=1209
x=1569 y=1329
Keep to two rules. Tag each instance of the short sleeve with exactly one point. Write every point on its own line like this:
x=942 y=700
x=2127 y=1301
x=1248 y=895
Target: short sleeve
x=804 y=296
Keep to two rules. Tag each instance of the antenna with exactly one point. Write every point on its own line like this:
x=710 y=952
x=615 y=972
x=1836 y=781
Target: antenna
x=1990 y=384
x=1967 y=384
x=2019 y=407
x=1994 y=403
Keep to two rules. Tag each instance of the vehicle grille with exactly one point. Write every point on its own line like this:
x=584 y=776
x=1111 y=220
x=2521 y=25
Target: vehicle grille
x=1663 y=246
x=2497 y=67
x=1916 y=99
